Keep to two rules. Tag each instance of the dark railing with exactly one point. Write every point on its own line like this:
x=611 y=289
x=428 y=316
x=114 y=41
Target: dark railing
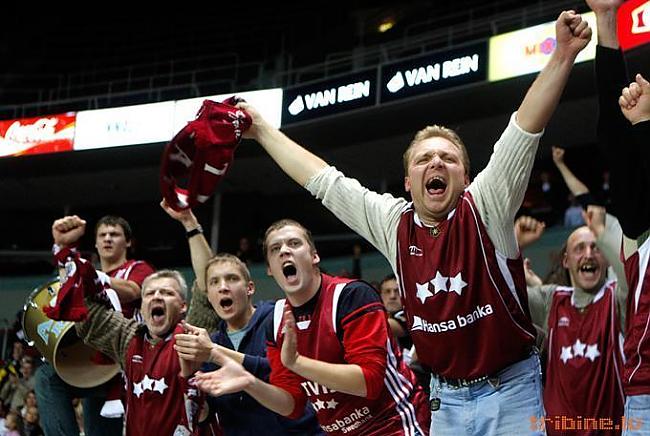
x=226 y=73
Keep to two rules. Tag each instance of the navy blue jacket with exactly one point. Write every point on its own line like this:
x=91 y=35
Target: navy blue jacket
x=240 y=414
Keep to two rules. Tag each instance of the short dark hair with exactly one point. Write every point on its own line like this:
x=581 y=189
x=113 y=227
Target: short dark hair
x=281 y=224
x=390 y=276
x=112 y=220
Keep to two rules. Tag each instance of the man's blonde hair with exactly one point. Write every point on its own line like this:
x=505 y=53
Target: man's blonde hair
x=437 y=131
x=228 y=258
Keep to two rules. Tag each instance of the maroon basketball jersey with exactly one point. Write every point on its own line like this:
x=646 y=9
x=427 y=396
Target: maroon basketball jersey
x=466 y=304
x=394 y=412
x=636 y=375
x=155 y=389
x=583 y=371
x=136 y=271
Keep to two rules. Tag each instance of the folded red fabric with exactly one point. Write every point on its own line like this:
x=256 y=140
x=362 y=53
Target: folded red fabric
x=199 y=156
x=81 y=280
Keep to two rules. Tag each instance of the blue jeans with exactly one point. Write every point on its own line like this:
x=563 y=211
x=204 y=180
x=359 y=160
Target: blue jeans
x=57 y=417
x=637 y=415
x=511 y=406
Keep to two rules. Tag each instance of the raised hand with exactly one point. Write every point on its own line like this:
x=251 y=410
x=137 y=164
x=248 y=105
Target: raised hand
x=68 y=230
x=528 y=230
x=289 y=353
x=230 y=378
x=532 y=279
x=558 y=155
x=595 y=219
x=185 y=217
x=572 y=34
x=635 y=100
x=194 y=345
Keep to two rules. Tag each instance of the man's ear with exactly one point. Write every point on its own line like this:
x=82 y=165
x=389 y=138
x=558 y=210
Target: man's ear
x=407 y=184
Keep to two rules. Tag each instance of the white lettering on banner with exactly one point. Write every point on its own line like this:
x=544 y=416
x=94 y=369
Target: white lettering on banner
x=329 y=97
x=41 y=130
x=460 y=66
x=353 y=91
x=460 y=321
x=434 y=72
x=420 y=75
x=320 y=98
x=641 y=19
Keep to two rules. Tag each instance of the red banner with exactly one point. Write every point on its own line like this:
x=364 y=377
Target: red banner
x=634 y=23
x=46 y=134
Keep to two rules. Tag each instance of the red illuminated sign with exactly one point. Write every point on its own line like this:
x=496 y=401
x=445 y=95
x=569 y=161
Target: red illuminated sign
x=634 y=23
x=46 y=134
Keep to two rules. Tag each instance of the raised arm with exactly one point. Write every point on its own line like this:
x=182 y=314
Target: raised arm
x=200 y=251
x=297 y=162
x=572 y=182
x=572 y=35
x=348 y=378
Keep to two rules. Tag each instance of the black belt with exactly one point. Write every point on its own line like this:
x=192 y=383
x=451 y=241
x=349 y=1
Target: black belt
x=464 y=383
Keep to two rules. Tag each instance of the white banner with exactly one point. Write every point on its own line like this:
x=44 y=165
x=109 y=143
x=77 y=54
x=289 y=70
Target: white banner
x=126 y=125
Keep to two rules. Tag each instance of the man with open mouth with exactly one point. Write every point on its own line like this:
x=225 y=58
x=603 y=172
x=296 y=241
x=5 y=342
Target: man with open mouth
x=329 y=344
x=584 y=324
x=241 y=334
x=454 y=252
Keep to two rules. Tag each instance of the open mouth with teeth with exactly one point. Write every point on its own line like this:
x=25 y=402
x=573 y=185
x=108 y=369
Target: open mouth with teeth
x=436 y=185
x=290 y=272
x=589 y=269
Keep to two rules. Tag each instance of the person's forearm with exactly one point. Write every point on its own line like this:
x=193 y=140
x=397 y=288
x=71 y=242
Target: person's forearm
x=606 y=22
x=234 y=355
x=200 y=253
x=544 y=94
x=271 y=397
x=345 y=378
x=127 y=290
x=572 y=182
x=295 y=161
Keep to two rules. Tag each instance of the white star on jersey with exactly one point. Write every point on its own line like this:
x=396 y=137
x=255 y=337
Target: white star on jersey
x=149 y=384
x=423 y=292
x=439 y=283
x=332 y=404
x=318 y=405
x=592 y=352
x=579 y=348
x=457 y=284
x=160 y=385
x=566 y=354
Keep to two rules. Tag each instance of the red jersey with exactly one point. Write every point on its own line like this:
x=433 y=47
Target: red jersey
x=636 y=375
x=136 y=271
x=393 y=405
x=466 y=304
x=583 y=371
x=158 y=399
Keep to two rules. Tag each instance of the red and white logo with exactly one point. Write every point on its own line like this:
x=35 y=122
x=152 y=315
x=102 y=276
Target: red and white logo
x=634 y=23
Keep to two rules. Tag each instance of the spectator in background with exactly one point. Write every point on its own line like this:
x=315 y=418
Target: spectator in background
x=573 y=214
x=389 y=292
x=31 y=422
x=28 y=401
x=14 y=391
x=13 y=424
x=12 y=365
